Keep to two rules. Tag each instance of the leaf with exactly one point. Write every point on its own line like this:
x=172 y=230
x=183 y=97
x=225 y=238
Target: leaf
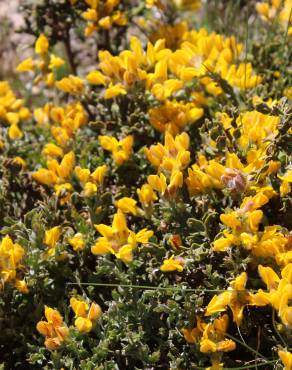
x=196 y=225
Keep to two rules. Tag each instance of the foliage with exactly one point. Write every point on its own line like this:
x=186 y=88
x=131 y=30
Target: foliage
x=145 y=191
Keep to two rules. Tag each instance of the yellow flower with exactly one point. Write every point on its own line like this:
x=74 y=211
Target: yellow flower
x=158 y=183
x=82 y=174
x=121 y=150
x=45 y=176
x=207 y=345
x=211 y=338
x=55 y=62
x=173 y=116
x=79 y=307
x=77 y=242
x=127 y=205
x=26 y=65
x=99 y=174
x=173 y=264
x=63 y=192
x=53 y=316
x=56 y=172
x=54 y=329
x=42 y=45
x=114 y=90
x=188 y=4
x=83 y=325
x=65 y=168
x=14 y=132
x=118 y=239
x=269 y=277
x=71 y=85
x=286 y=358
x=236 y=298
x=90 y=15
x=94 y=312
x=146 y=195
x=285 y=188
x=52 y=236
x=21 y=286
x=280 y=291
x=221 y=245
x=105 y=22
x=287 y=176
x=190 y=335
x=226 y=345
x=52 y=150
x=85 y=316
x=20 y=161
x=176 y=181
x=90 y=189
x=173 y=155
x=11 y=255
x=96 y=78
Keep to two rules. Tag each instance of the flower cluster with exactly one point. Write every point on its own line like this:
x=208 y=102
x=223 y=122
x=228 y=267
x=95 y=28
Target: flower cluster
x=12 y=111
x=46 y=64
x=85 y=316
x=54 y=329
x=276 y=10
x=11 y=255
x=153 y=176
x=118 y=239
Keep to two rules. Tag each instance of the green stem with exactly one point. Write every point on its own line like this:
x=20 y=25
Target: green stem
x=250 y=366
x=243 y=367
x=276 y=330
x=245 y=345
x=153 y=287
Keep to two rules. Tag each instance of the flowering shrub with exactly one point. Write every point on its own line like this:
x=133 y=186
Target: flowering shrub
x=145 y=190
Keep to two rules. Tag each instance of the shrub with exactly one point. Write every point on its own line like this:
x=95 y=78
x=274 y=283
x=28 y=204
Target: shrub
x=145 y=187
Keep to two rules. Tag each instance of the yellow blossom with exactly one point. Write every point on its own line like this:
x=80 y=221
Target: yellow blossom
x=96 y=78
x=11 y=255
x=14 y=132
x=172 y=264
x=237 y=297
x=146 y=195
x=77 y=242
x=52 y=236
x=83 y=325
x=121 y=150
x=98 y=174
x=86 y=316
x=118 y=239
x=114 y=90
x=79 y=307
x=55 y=62
x=127 y=205
x=26 y=65
x=286 y=358
x=45 y=176
x=90 y=189
x=52 y=150
x=174 y=116
x=54 y=329
x=21 y=286
x=71 y=85
x=63 y=192
x=42 y=45
x=173 y=155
